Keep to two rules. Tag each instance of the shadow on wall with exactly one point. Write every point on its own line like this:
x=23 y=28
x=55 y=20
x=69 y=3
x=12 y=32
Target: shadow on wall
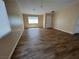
x=4 y=22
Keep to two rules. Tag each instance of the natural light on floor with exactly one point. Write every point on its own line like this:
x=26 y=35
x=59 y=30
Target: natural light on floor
x=33 y=20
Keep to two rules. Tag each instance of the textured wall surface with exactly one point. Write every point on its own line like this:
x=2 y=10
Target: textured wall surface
x=65 y=19
x=4 y=22
x=8 y=43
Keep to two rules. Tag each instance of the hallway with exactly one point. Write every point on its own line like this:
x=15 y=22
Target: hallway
x=37 y=43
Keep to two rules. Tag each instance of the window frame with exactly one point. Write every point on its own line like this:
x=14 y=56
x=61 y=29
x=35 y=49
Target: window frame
x=32 y=21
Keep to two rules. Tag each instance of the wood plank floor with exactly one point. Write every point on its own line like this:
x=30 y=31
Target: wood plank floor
x=38 y=43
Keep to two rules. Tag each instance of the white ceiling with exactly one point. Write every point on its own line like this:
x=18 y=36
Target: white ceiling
x=33 y=6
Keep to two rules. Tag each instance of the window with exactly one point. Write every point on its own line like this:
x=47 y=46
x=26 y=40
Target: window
x=33 y=20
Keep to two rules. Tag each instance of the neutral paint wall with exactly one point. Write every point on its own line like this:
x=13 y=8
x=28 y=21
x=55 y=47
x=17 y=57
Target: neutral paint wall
x=40 y=20
x=9 y=42
x=65 y=19
x=44 y=17
x=14 y=15
x=4 y=22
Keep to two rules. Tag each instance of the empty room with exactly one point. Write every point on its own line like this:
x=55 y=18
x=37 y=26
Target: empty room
x=39 y=29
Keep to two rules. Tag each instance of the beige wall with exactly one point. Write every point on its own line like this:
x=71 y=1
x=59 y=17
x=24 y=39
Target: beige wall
x=26 y=25
x=65 y=19
x=9 y=42
x=44 y=17
x=14 y=15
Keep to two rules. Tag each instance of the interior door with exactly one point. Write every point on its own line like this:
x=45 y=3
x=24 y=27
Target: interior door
x=77 y=25
x=48 y=21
